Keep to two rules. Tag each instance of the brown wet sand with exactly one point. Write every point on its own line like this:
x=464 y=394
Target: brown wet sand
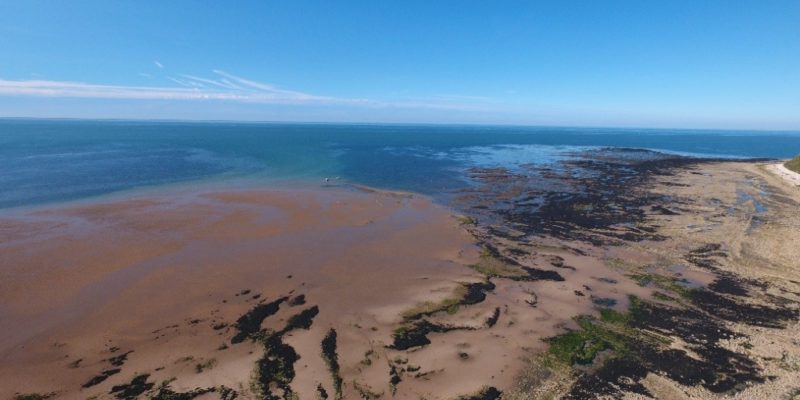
x=155 y=276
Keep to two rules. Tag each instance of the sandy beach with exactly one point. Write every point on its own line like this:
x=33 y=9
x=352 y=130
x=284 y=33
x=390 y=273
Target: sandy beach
x=793 y=178
x=345 y=292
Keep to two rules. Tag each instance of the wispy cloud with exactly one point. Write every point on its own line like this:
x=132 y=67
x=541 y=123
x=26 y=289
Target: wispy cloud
x=222 y=86
x=158 y=64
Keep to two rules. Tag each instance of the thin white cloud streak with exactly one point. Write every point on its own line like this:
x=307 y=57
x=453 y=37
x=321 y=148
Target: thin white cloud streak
x=227 y=87
x=158 y=64
x=188 y=92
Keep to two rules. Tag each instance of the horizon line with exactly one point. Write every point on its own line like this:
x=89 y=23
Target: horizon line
x=465 y=124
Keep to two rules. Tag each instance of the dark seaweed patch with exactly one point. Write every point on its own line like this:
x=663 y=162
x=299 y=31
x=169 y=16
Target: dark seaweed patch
x=119 y=360
x=611 y=281
x=466 y=294
x=492 y=320
x=34 y=396
x=322 y=394
x=635 y=352
x=558 y=262
x=137 y=386
x=536 y=274
x=302 y=320
x=728 y=285
x=166 y=393
x=603 y=197
x=394 y=378
x=298 y=300
x=276 y=367
x=476 y=292
x=250 y=323
x=416 y=334
x=703 y=256
x=617 y=375
x=487 y=393
x=101 y=377
x=332 y=360
x=663 y=210
x=726 y=308
x=597 y=197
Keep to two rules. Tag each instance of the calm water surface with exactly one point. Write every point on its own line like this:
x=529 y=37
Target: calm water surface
x=45 y=161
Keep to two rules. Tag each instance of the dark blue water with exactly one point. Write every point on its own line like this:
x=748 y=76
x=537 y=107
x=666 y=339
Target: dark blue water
x=44 y=161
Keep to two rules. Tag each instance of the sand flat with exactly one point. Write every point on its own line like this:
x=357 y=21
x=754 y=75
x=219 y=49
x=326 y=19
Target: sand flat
x=92 y=282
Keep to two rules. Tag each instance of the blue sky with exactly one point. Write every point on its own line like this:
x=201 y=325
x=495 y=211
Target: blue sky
x=700 y=64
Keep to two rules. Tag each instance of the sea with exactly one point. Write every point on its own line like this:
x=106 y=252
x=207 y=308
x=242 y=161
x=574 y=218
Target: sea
x=53 y=161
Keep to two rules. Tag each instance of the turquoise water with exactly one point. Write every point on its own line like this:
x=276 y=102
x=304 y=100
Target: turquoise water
x=45 y=161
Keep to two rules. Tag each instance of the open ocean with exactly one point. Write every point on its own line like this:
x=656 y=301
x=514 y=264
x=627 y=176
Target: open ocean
x=49 y=161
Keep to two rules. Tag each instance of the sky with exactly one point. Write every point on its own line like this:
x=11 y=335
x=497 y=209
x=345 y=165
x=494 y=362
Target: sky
x=641 y=63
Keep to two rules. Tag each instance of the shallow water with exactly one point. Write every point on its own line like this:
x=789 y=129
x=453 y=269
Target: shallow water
x=45 y=161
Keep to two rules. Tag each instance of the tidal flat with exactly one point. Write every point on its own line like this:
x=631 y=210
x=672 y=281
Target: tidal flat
x=617 y=273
